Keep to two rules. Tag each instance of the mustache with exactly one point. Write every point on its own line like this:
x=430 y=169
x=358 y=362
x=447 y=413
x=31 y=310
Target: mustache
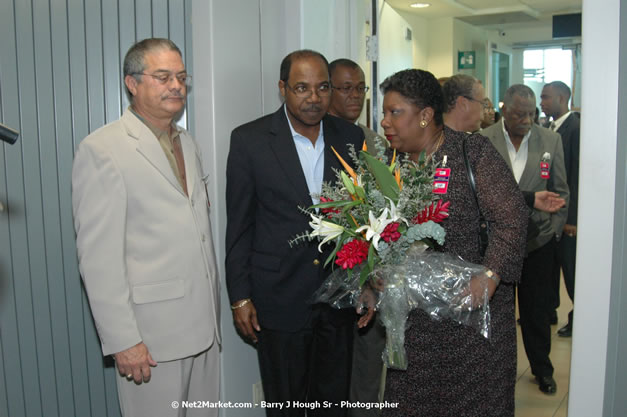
x=312 y=108
x=173 y=94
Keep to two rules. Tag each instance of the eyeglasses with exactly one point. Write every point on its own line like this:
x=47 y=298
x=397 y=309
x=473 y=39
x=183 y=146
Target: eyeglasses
x=304 y=91
x=483 y=104
x=361 y=89
x=166 y=77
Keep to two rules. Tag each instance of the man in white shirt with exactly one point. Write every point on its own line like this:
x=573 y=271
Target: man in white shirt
x=536 y=157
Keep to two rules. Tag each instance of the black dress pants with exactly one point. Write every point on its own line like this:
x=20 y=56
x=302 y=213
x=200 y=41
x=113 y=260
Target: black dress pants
x=308 y=370
x=566 y=255
x=534 y=305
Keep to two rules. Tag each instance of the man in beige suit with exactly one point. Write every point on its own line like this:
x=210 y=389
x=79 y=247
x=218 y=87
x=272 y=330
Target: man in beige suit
x=145 y=245
x=536 y=157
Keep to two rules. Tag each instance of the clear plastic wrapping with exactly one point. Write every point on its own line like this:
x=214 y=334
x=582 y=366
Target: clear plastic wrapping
x=434 y=282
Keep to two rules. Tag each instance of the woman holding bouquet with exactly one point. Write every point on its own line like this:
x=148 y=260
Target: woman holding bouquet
x=452 y=369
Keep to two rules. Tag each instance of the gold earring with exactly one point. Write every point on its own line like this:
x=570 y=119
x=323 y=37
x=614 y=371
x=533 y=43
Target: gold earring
x=423 y=124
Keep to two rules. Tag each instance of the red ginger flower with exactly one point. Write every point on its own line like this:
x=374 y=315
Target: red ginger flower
x=328 y=210
x=352 y=253
x=435 y=214
x=390 y=233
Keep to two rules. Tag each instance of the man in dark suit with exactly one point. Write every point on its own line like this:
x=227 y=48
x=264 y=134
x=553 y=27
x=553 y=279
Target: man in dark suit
x=554 y=104
x=536 y=157
x=276 y=164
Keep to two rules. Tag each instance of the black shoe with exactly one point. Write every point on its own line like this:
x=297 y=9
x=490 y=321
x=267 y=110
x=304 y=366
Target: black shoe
x=553 y=317
x=566 y=331
x=547 y=384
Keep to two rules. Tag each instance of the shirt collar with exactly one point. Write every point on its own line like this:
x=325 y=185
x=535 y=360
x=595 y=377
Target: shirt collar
x=561 y=120
x=154 y=129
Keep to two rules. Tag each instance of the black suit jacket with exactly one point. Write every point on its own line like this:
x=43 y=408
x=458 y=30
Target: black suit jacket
x=569 y=130
x=265 y=187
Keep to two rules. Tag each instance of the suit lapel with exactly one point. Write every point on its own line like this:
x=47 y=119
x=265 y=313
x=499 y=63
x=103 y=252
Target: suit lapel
x=287 y=157
x=190 y=157
x=331 y=140
x=148 y=146
x=565 y=127
x=501 y=146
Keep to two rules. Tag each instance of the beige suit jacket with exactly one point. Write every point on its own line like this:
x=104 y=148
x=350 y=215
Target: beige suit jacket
x=145 y=249
x=542 y=142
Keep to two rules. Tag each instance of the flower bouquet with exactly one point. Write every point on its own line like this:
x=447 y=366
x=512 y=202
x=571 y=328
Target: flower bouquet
x=381 y=217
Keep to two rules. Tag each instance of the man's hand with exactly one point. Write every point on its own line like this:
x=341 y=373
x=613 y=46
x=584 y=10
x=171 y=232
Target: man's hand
x=570 y=230
x=245 y=318
x=368 y=299
x=135 y=362
x=548 y=201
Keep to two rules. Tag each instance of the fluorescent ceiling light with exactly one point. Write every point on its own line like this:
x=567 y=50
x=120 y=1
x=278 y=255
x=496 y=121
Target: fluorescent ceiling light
x=419 y=5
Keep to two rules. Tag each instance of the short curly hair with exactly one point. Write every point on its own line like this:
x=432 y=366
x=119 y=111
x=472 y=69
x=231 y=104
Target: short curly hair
x=459 y=85
x=419 y=87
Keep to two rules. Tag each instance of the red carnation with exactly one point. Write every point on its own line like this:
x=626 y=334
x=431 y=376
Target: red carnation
x=352 y=253
x=390 y=233
x=435 y=213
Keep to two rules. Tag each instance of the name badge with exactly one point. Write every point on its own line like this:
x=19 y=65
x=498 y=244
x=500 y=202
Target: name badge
x=440 y=187
x=441 y=177
x=442 y=174
x=544 y=170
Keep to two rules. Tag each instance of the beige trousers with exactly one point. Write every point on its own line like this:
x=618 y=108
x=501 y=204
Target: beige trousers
x=195 y=380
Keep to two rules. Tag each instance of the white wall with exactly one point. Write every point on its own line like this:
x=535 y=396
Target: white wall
x=227 y=92
x=596 y=266
x=420 y=34
x=440 y=59
x=395 y=52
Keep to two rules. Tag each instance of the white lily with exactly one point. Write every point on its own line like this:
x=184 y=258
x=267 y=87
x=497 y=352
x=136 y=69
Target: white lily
x=376 y=227
x=323 y=228
x=394 y=214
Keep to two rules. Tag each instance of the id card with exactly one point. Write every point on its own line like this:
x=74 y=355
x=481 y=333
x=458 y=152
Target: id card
x=544 y=170
x=440 y=187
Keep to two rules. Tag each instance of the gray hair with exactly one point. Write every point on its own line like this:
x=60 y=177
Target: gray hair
x=459 y=85
x=134 y=61
x=520 y=90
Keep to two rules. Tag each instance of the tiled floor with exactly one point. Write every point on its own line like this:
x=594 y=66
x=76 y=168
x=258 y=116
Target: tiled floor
x=530 y=401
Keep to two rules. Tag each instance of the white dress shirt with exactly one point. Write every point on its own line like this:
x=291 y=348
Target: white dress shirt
x=517 y=158
x=311 y=159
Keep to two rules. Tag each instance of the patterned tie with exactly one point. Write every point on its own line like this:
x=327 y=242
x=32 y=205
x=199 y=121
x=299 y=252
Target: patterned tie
x=552 y=127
